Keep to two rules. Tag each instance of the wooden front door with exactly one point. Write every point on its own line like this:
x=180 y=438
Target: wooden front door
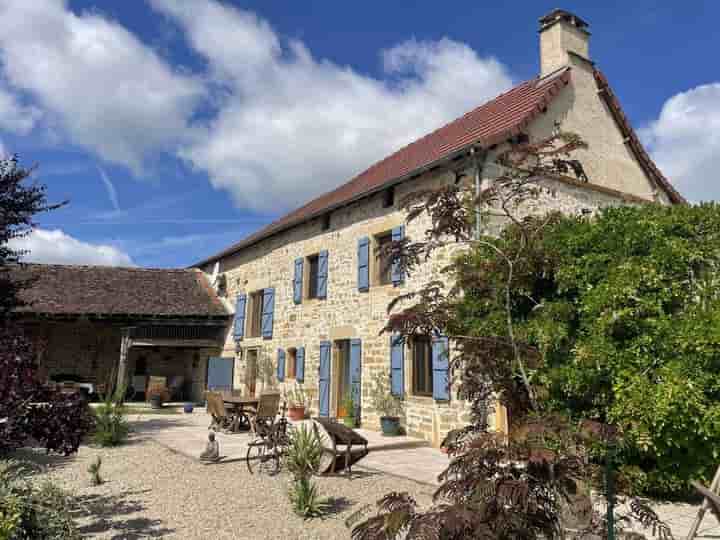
x=343 y=387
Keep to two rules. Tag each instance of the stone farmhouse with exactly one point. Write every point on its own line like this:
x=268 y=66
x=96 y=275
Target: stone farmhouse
x=310 y=295
x=303 y=300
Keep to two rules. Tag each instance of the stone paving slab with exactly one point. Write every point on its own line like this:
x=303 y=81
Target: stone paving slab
x=404 y=457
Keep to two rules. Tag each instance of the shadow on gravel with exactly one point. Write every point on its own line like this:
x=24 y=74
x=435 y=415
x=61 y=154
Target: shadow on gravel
x=337 y=505
x=40 y=458
x=112 y=513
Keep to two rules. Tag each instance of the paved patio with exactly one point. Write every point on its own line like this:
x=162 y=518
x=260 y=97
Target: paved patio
x=404 y=457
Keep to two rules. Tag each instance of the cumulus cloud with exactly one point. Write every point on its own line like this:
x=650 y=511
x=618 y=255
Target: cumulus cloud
x=685 y=141
x=56 y=247
x=15 y=116
x=109 y=91
x=291 y=126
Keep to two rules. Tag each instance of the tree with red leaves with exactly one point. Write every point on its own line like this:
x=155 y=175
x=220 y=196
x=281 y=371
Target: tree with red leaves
x=30 y=412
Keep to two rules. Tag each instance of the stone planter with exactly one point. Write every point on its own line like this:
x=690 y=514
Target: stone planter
x=296 y=413
x=390 y=425
x=156 y=402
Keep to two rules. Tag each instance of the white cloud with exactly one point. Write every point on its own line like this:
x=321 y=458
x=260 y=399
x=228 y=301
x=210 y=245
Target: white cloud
x=685 y=141
x=14 y=116
x=291 y=126
x=56 y=247
x=110 y=92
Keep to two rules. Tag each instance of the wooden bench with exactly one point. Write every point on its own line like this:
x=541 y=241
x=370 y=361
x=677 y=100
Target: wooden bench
x=342 y=436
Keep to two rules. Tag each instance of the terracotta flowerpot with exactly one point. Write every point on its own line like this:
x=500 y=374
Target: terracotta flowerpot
x=540 y=455
x=296 y=413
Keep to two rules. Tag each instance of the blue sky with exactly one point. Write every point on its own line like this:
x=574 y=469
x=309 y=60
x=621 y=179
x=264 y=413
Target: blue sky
x=175 y=128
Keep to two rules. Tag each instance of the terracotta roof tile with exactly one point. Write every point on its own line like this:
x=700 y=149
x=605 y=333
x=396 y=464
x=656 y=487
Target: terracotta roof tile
x=493 y=122
x=108 y=291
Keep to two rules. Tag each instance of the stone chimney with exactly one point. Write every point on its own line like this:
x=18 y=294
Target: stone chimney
x=562 y=34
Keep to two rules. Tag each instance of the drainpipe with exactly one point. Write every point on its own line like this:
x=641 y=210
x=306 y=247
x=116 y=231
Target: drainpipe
x=479 y=162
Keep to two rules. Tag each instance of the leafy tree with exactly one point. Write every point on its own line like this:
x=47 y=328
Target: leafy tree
x=28 y=410
x=497 y=487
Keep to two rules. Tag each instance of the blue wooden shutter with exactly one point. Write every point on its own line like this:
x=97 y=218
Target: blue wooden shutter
x=300 y=364
x=322 y=275
x=239 y=326
x=397 y=366
x=440 y=365
x=356 y=375
x=281 y=365
x=267 y=312
x=298 y=281
x=220 y=373
x=397 y=275
x=364 y=264
x=324 y=390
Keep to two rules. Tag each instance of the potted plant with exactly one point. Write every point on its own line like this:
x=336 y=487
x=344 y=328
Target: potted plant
x=155 y=398
x=387 y=405
x=188 y=407
x=348 y=406
x=297 y=403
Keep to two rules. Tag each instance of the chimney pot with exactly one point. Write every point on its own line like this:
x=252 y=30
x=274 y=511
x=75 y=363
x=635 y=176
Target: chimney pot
x=561 y=34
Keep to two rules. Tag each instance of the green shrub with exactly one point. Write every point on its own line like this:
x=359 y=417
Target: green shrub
x=624 y=308
x=302 y=460
x=111 y=427
x=32 y=510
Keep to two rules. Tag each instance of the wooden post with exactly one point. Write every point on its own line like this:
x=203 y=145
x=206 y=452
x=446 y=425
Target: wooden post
x=704 y=507
x=125 y=345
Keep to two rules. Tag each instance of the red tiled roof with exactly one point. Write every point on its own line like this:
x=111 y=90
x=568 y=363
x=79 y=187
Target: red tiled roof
x=491 y=123
x=107 y=291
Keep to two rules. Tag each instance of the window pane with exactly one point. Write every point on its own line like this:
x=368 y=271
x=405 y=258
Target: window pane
x=313 y=276
x=422 y=366
x=383 y=261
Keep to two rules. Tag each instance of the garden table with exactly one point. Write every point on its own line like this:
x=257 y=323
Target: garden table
x=241 y=407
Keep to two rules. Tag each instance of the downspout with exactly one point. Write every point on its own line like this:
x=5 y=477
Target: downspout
x=479 y=162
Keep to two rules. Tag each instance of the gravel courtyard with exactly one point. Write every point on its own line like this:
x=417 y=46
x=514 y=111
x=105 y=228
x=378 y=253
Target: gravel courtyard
x=150 y=491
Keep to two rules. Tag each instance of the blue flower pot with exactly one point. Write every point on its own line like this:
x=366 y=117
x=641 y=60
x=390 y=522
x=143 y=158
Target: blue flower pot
x=390 y=425
x=188 y=408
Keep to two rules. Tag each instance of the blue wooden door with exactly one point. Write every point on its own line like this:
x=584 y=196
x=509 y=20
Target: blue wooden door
x=220 y=373
x=356 y=376
x=324 y=378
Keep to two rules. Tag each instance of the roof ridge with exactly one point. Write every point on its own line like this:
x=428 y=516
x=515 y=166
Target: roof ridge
x=103 y=266
x=472 y=128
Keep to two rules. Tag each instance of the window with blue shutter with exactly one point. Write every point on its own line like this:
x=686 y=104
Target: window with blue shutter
x=397 y=275
x=268 y=309
x=363 y=264
x=322 y=275
x=324 y=379
x=239 y=325
x=440 y=365
x=397 y=366
x=298 y=281
x=300 y=364
x=356 y=375
x=280 y=365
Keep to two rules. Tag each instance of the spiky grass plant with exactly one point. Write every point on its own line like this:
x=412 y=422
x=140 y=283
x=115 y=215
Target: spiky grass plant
x=302 y=460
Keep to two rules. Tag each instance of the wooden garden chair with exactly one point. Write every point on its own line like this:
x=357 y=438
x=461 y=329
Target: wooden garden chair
x=221 y=420
x=342 y=440
x=267 y=411
x=711 y=501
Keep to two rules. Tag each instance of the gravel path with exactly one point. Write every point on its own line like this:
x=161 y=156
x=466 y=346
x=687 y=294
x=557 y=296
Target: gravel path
x=150 y=491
